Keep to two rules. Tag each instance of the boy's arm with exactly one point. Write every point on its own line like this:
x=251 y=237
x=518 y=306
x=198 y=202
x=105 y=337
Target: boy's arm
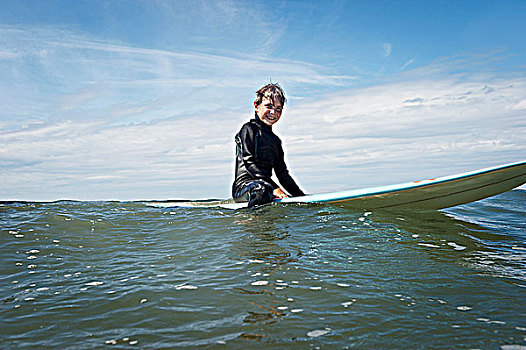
x=284 y=177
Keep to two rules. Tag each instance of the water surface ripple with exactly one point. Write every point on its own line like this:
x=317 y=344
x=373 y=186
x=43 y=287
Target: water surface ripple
x=89 y=275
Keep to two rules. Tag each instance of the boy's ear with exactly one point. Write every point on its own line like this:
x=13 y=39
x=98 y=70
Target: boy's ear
x=255 y=103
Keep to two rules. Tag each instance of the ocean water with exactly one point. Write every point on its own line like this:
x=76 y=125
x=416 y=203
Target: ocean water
x=120 y=275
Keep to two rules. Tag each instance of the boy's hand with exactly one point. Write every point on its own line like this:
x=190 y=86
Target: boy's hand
x=278 y=193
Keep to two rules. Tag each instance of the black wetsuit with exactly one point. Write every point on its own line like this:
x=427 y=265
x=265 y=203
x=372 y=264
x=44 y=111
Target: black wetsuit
x=258 y=152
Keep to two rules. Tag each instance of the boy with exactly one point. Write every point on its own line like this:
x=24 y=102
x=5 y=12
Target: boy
x=259 y=151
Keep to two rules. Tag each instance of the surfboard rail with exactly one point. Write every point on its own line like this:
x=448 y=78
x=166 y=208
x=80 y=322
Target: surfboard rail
x=436 y=193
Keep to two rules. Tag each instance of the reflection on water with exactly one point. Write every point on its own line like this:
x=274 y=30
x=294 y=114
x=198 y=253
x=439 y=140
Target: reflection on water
x=294 y=276
x=261 y=246
x=480 y=243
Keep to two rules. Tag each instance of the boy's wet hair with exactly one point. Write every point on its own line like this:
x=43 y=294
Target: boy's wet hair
x=271 y=91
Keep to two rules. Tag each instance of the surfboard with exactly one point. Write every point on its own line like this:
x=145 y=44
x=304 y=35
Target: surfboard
x=436 y=193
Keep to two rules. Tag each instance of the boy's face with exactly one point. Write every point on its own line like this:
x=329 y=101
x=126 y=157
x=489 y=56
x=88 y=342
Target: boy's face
x=269 y=111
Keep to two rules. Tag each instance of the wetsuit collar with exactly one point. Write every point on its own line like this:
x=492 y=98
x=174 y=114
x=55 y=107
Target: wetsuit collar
x=260 y=123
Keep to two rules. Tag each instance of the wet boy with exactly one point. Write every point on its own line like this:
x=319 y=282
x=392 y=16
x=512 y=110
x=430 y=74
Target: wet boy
x=259 y=151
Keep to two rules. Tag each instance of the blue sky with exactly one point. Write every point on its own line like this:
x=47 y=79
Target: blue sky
x=141 y=99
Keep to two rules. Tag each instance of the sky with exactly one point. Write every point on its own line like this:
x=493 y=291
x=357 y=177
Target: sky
x=137 y=100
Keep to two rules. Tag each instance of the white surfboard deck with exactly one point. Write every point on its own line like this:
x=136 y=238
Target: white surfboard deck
x=436 y=193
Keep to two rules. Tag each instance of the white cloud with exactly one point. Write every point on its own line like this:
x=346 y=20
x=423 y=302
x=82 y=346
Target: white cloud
x=96 y=120
x=6 y=54
x=408 y=63
x=78 y=160
x=396 y=132
x=406 y=130
x=387 y=49
x=59 y=72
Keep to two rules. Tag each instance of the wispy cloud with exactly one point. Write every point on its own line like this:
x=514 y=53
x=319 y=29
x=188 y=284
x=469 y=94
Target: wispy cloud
x=90 y=114
x=62 y=70
x=408 y=63
x=92 y=119
x=387 y=49
x=419 y=126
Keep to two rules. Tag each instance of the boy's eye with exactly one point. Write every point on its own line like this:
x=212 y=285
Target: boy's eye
x=278 y=109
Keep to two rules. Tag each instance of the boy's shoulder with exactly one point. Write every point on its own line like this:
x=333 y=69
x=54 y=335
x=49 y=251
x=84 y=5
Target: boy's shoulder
x=248 y=125
x=251 y=124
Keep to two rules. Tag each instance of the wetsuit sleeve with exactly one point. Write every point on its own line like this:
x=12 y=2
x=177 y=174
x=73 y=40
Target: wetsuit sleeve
x=284 y=177
x=245 y=140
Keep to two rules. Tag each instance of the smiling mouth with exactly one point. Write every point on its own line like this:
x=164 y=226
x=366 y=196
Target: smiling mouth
x=270 y=117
